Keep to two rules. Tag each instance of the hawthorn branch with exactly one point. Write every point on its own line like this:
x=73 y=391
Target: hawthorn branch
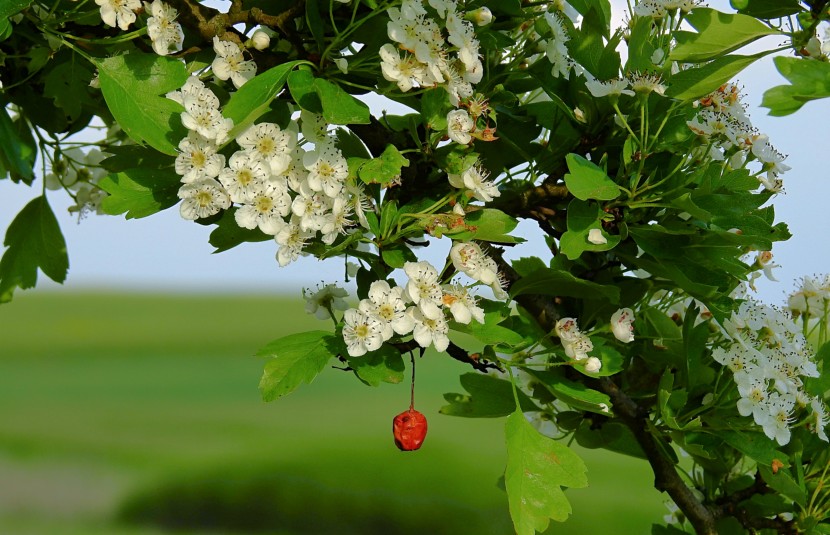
x=458 y=353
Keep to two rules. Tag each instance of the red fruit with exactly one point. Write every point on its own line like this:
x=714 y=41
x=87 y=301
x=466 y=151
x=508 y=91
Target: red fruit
x=409 y=429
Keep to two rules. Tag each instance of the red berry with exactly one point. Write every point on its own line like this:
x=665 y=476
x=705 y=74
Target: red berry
x=409 y=429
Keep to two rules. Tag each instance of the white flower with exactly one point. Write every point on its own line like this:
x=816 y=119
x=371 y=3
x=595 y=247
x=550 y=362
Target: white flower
x=387 y=305
x=327 y=169
x=462 y=304
x=593 y=365
x=468 y=258
x=310 y=208
x=194 y=90
x=595 y=236
x=753 y=391
x=324 y=301
x=622 y=325
x=459 y=126
x=314 y=127
x=244 y=177
x=429 y=331
x=556 y=49
x=646 y=83
x=119 y=13
x=482 y=16
x=615 y=87
x=230 y=63
x=202 y=198
x=291 y=240
x=475 y=180
x=198 y=159
x=777 y=418
x=260 y=40
x=576 y=344
x=207 y=121
x=818 y=418
x=405 y=71
x=270 y=144
x=337 y=220
x=423 y=288
x=164 y=32
x=265 y=209
x=361 y=332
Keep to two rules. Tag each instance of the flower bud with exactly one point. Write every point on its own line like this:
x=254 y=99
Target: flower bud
x=593 y=365
x=261 y=40
x=595 y=236
x=622 y=325
x=481 y=16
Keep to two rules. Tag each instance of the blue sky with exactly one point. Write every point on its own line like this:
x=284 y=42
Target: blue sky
x=165 y=252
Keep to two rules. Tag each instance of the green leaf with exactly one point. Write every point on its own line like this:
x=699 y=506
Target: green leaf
x=784 y=483
x=819 y=386
x=537 y=469
x=34 y=240
x=561 y=283
x=340 y=107
x=228 y=234
x=489 y=224
x=770 y=9
x=489 y=397
x=575 y=394
x=587 y=181
x=252 y=100
x=140 y=192
x=12 y=148
x=718 y=34
x=294 y=359
x=12 y=7
x=435 y=104
x=382 y=366
x=301 y=86
x=583 y=217
x=694 y=83
x=133 y=85
x=756 y=446
x=68 y=84
x=385 y=168
x=810 y=80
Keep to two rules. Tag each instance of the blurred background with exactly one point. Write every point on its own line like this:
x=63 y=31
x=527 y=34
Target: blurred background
x=129 y=402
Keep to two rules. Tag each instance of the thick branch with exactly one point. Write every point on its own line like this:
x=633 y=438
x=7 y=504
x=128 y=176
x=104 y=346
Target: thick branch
x=666 y=478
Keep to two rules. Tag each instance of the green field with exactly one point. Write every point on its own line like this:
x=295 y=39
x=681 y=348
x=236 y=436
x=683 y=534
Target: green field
x=139 y=414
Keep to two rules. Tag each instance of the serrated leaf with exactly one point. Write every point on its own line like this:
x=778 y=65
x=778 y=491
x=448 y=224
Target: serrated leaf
x=489 y=397
x=537 y=469
x=561 y=283
x=133 y=86
x=718 y=34
x=34 y=240
x=385 y=168
x=67 y=84
x=756 y=446
x=139 y=192
x=301 y=86
x=228 y=234
x=294 y=359
x=575 y=394
x=696 y=82
x=12 y=155
x=489 y=224
x=582 y=217
x=382 y=366
x=587 y=181
x=810 y=80
x=340 y=107
x=252 y=100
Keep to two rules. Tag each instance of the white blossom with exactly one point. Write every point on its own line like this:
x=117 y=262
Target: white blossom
x=459 y=126
x=260 y=40
x=266 y=209
x=244 y=177
x=474 y=179
x=198 y=158
x=468 y=258
x=361 y=332
x=388 y=306
x=230 y=63
x=428 y=330
x=595 y=236
x=119 y=13
x=462 y=304
x=327 y=169
x=270 y=144
x=423 y=288
x=202 y=198
x=622 y=325
x=164 y=32
x=324 y=301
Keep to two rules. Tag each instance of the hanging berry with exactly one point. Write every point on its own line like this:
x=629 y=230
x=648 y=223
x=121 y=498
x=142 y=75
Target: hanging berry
x=410 y=427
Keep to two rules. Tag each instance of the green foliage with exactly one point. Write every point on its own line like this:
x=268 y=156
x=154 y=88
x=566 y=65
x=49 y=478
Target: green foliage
x=34 y=242
x=382 y=366
x=294 y=359
x=253 y=99
x=717 y=34
x=385 y=168
x=537 y=468
x=489 y=397
x=15 y=156
x=139 y=192
x=134 y=86
x=809 y=80
x=587 y=181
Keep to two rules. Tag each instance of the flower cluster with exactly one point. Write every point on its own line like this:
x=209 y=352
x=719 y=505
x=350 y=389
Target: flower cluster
x=723 y=125
x=276 y=185
x=556 y=49
x=658 y=9
x=577 y=344
x=769 y=360
x=418 y=308
x=79 y=172
x=119 y=13
x=164 y=32
x=439 y=48
x=812 y=299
